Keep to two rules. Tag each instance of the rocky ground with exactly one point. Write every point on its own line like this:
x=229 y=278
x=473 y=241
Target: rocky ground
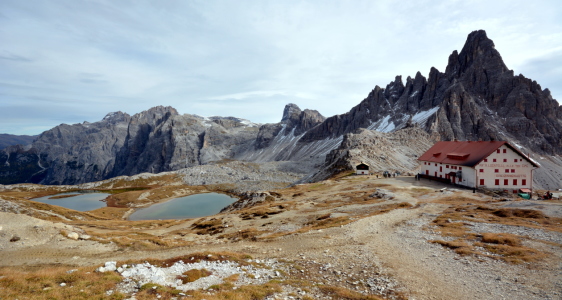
x=391 y=238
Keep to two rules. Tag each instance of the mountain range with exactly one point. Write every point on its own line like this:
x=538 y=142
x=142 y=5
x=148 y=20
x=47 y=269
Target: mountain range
x=10 y=139
x=476 y=98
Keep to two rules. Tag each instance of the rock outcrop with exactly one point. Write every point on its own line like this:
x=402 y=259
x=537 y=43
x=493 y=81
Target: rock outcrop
x=396 y=151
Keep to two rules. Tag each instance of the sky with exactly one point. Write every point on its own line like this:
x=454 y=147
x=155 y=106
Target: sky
x=70 y=61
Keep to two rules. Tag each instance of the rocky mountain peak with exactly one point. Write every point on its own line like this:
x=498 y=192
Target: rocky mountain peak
x=114 y=117
x=478 y=52
x=291 y=112
x=301 y=121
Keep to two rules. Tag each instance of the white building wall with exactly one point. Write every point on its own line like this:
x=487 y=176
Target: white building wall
x=468 y=177
x=362 y=172
x=505 y=171
x=519 y=169
x=442 y=170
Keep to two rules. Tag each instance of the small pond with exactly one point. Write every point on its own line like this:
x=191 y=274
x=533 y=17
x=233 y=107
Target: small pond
x=193 y=206
x=77 y=200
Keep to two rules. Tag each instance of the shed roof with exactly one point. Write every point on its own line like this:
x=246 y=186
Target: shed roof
x=465 y=153
x=362 y=166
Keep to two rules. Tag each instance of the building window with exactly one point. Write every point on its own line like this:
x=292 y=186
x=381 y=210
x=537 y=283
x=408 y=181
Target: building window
x=485 y=160
x=481 y=170
x=515 y=191
x=435 y=174
x=436 y=165
x=512 y=170
x=524 y=181
x=440 y=168
x=515 y=160
x=427 y=172
x=514 y=181
x=494 y=160
x=497 y=182
x=504 y=150
x=507 y=170
x=460 y=168
x=481 y=181
x=496 y=170
x=498 y=151
x=505 y=181
x=446 y=166
x=505 y=160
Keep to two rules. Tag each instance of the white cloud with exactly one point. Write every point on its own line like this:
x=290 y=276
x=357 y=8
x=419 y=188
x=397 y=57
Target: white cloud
x=88 y=58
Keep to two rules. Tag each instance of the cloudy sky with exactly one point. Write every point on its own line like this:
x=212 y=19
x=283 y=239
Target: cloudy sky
x=69 y=61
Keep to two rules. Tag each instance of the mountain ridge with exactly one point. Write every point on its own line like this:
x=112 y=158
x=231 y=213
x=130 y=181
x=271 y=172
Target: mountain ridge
x=476 y=98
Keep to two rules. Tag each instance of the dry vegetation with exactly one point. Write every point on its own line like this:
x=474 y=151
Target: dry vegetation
x=45 y=283
x=508 y=247
x=57 y=282
x=291 y=211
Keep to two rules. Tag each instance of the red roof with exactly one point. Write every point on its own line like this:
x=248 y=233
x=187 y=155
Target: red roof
x=466 y=153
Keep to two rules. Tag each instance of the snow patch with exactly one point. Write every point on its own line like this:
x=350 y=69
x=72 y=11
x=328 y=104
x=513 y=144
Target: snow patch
x=383 y=125
x=422 y=116
x=110 y=115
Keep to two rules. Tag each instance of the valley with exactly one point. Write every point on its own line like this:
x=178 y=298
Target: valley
x=348 y=237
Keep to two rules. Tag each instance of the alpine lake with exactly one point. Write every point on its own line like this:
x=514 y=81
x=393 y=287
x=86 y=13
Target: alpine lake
x=193 y=206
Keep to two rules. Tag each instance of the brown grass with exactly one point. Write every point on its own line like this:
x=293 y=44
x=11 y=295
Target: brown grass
x=244 y=234
x=193 y=274
x=43 y=284
x=459 y=246
x=504 y=246
x=137 y=240
x=263 y=211
x=539 y=216
x=501 y=238
x=211 y=226
x=167 y=179
x=514 y=254
x=343 y=293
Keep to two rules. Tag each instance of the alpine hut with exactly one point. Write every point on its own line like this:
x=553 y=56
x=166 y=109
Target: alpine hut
x=492 y=164
x=362 y=169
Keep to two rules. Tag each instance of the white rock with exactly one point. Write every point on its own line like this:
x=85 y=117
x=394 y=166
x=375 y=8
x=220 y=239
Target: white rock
x=100 y=269
x=73 y=235
x=85 y=237
x=120 y=270
x=63 y=284
x=111 y=266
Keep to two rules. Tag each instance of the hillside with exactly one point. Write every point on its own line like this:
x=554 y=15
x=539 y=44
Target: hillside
x=351 y=237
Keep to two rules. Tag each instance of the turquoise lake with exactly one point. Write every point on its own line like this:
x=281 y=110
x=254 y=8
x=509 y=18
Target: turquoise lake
x=83 y=201
x=193 y=206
